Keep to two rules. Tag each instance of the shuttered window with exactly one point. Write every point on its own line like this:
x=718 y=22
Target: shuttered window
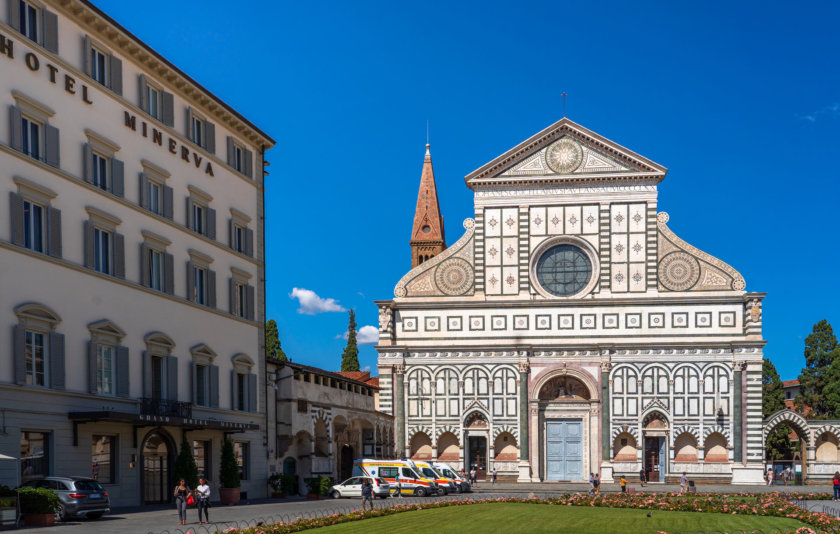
x=33 y=226
x=102 y=251
x=156 y=102
x=155 y=270
x=98 y=63
x=238 y=238
x=242 y=392
x=197 y=131
x=36 y=359
x=198 y=218
x=32 y=142
x=99 y=168
x=105 y=370
x=153 y=102
x=199 y=285
x=158 y=377
x=37 y=24
x=202 y=383
x=29 y=20
x=102 y=66
x=155 y=196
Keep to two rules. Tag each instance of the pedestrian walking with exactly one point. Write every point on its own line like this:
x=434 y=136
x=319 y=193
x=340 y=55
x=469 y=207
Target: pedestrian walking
x=683 y=483
x=597 y=483
x=473 y=480
x=623 y=483
x=769 y=476
x=367 y=494
x=202 y=494
x=180 y=494
x=642 y=477
x=495 y=476
x=837 y=485
x=592 y=483
x=788 y=475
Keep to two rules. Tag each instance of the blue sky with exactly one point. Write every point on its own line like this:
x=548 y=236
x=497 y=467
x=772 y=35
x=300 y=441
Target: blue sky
x=740 y=100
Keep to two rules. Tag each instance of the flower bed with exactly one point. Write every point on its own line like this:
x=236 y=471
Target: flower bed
x=768 y=504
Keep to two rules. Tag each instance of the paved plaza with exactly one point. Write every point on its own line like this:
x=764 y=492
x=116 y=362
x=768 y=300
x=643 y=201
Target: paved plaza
x=163 y=519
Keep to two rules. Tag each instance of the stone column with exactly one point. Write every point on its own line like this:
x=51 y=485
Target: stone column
x=399 y=371
x=524 y=437
x=605 y=412
x=737 y=425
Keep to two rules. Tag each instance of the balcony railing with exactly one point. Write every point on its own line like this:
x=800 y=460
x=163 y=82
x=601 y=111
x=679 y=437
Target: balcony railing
x=164 y=407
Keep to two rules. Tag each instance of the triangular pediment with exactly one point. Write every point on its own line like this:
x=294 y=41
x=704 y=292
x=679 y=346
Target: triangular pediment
x=566 y=152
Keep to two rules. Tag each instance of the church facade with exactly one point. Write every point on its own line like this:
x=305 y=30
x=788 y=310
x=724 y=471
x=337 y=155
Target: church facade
x=569 y=331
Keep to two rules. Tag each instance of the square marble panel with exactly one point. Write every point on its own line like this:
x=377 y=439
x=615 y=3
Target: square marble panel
x=656 y=320
x=679 y=320
x=543 y=322
x=432 y=324
x=588 y=321
x=476 y=322
x=454 y=324
x=566 y=322
x=633 y=320
x=703 y=319
x=520 y=322
x=498 y=322
x=409 y=324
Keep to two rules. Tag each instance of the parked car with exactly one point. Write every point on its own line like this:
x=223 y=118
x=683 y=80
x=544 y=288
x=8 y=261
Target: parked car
x=352 y=487
x=80 y=496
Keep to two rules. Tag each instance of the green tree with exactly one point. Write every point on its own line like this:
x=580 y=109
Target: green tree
x=350 y=358
x=272 y=342
x=773 y=399
x=228 y=470
x=817 y=392
x=185 y=464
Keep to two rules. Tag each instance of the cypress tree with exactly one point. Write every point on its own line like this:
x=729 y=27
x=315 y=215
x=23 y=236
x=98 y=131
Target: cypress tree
x=350 y=358
x=185 y=465
x=272 y=342
x=818 y=389
x=778 y=443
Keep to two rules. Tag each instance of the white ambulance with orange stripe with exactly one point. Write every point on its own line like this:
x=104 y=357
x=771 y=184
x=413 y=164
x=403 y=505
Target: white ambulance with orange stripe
x=400 y=474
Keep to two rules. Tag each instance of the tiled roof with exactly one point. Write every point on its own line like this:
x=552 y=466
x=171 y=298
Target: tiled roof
x=339 y=375
x=790 y=383
x=374 y=381
x=361 y=376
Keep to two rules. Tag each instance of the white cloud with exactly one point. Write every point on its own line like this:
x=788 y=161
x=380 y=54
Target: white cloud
x=832 y=110
x=366 y=368
x=311 y=303
x=366 y=335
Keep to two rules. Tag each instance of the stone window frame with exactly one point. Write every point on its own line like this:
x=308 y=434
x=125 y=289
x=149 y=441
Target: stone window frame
x=103 y=147
x=242 y=364
x=203 y=355
x=199 y=197
x=34 y=193
x=158 y=345
x=98 y=219
x=202 y=261
x=36 y=317
x=46 y=24
x=35 y=111
x=113 y=65
x=238 y=277
x=241 y=219
x=208 y=133
x=157 y=175
x=146 y=82
x=153 y=242
x=106 y=333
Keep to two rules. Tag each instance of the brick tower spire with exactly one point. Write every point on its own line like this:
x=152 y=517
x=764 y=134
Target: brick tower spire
x=427 y=237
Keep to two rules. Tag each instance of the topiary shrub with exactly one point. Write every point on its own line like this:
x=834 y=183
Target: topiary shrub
x=185 y=465
x=38 y=500
x=324 y=486
x=229 y=471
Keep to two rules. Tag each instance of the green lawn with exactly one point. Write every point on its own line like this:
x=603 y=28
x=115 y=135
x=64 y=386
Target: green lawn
x=512 y=518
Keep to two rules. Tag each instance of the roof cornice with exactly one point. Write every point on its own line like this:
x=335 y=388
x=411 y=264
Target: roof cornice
x=114 y=35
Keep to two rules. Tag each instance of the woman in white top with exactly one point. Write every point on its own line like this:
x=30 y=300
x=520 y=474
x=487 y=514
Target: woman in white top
x=202 y=495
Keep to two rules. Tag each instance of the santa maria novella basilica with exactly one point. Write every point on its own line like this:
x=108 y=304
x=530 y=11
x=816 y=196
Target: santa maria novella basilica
x=569 y=331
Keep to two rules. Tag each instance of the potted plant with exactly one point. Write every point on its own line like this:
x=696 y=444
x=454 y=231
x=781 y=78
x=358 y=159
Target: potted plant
x=228 y=475
x=317 y=487
x=38 y=506
x=276 y=483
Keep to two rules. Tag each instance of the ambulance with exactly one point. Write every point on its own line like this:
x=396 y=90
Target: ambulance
x=429 y=471
x=451 y=474
x=400 y=474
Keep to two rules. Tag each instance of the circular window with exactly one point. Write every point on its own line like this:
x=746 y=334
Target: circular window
x=426 y=229
x=564 y=270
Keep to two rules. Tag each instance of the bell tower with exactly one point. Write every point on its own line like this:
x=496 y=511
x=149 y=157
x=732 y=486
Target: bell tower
x=427 y=236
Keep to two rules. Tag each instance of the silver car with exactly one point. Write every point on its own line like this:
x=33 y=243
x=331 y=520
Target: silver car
x=79 y=496
x=352 y=487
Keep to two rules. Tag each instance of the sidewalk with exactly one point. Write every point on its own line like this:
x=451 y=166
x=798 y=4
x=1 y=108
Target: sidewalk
x=571 y=487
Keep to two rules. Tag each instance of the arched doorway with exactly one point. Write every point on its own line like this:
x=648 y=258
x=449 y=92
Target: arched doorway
x=564 y=408
x=345 y=467
x=476 y=429
x=787 y=438
x=157 y=454
x=655 y=431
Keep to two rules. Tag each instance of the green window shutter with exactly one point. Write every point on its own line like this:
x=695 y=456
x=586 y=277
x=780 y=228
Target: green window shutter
x=252 y=392
x=54 y=232
x=172 y=378
x=19 y=351
x=52 y=151
x=115 y=81
x=189 y=123
x=14 y=14
x=50 y=31
x=168 y=273
x=193 y=383
x=123 y=372
x=211 y=288
x=89 y=257
x=234 y=390
x=211 y=223
x=91 y=367
x=57 y=360
x=249 y=164
x=119 y=255
x=16 y=211
x=188 y=206
x=249 y=311
x=210 y=137
x=249 y=242
x=190 y=282
x=167 y=202
x=167 y=105
x=16 y=125
x=141 y=87
x=232 y=295
x=214 y=386
x=229 y=150
x=145 y=279
x=117 y=177
x=86 y=50
x=87 y=163
x=144 y=191
x=230 y=233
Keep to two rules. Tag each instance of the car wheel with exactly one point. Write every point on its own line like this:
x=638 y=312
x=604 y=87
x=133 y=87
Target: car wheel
x=61 y=513
x=441 y=491
x=94 y=515
x=335 y=494
x=458 y=488
x=420 y=492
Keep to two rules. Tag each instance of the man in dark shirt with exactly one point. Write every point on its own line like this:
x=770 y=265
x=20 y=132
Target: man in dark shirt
x=367 y=494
